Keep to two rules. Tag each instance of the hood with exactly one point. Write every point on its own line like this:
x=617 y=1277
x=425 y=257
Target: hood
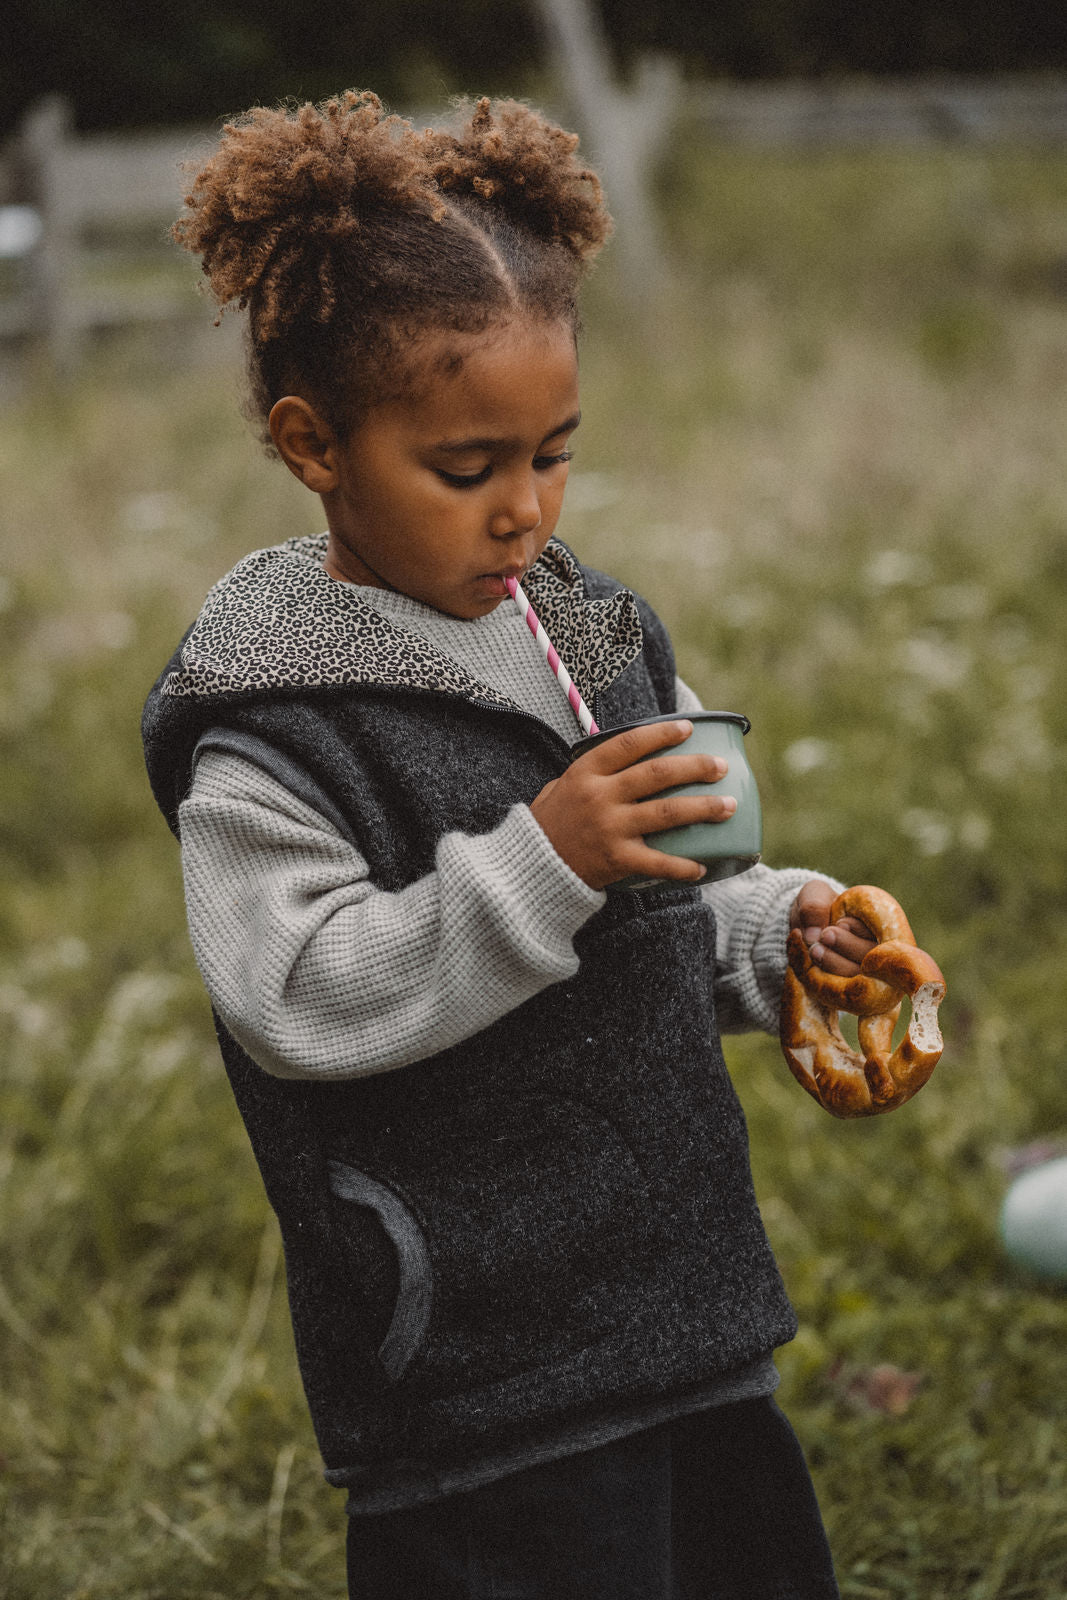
x=278 y=622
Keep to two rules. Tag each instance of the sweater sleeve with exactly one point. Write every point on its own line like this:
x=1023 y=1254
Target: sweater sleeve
x=752 y=924
x=751 y=928
x=318 y=973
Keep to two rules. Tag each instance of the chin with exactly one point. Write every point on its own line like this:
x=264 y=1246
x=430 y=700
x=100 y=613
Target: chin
x=465 y=610
x=474 y=608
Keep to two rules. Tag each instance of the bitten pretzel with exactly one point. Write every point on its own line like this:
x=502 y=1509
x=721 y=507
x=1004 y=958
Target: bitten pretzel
x=819 y=1057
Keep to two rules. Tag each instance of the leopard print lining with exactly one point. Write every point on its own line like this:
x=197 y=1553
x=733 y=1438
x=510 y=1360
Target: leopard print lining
x=279 y=621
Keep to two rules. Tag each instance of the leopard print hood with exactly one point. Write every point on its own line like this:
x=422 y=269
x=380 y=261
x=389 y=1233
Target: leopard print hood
x=278 y=621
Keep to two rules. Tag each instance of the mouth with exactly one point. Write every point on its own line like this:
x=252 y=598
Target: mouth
x=496 y=583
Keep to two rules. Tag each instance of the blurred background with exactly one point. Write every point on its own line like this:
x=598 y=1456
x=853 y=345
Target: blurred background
x=824 y=382
x=123 y=69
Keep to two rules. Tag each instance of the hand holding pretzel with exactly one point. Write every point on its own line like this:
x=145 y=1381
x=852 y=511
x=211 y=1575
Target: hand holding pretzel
x=848 y=1084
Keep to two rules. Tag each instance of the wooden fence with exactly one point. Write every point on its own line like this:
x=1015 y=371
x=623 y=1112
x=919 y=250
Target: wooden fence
x=879 y=111
x=102 y=257
x=102 y=204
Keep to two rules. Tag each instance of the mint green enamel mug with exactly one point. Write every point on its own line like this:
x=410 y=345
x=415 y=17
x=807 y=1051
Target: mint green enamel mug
x=723 y=848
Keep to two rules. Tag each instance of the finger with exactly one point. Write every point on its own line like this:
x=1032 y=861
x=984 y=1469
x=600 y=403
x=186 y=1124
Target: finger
x=668 y=772
x=623 y=749
x=652 y=863
x=854 y=925
x=842 y=942
x=679 y=810
x=811 y=908
x=830 y=961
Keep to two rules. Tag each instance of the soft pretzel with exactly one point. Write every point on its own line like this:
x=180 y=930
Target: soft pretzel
x=848 y=1084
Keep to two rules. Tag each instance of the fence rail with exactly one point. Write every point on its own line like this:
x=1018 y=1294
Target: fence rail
x=102 y=256
x=877 y=111
x=102 y=203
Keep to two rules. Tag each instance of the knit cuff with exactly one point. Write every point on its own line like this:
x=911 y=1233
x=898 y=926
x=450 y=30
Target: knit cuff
x=546 y=902
x=751 y=946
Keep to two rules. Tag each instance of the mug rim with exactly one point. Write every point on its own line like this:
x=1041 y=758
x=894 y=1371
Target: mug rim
x=592 y=740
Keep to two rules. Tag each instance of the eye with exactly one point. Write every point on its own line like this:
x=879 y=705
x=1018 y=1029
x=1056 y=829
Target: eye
x=463 y=480
x=542 y=463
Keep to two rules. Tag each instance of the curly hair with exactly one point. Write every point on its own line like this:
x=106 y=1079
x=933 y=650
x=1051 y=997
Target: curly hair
x=346 y=234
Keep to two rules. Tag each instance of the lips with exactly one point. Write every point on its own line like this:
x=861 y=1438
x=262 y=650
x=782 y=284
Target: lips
x=496 y=582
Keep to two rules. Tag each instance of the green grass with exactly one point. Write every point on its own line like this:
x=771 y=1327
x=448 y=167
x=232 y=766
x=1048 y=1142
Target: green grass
x=835 y=463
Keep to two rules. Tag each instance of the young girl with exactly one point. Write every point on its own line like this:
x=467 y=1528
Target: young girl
x=534 y=1305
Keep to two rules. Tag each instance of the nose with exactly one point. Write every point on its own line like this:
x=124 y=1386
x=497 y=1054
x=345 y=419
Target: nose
x=519 y=507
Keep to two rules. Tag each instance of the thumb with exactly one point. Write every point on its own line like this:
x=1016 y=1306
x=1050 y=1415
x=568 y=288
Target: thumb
x=811 y=908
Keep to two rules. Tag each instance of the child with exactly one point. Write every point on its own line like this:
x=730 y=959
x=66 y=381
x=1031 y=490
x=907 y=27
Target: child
x=533 y=1301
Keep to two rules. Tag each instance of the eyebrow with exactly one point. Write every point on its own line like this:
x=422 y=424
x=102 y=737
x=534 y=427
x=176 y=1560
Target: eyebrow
x=483 y=442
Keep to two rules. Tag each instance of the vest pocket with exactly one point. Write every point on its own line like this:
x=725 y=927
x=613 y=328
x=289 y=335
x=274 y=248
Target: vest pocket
x=535 y=1225
x=414 y=1292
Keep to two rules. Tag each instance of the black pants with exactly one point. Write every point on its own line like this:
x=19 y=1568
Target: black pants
x=716 y=1506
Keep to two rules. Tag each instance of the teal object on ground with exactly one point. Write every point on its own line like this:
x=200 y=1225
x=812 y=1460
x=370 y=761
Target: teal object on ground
x=724 y=848
x=1033 y=1219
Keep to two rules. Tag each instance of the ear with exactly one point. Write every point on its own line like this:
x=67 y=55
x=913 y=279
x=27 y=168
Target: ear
x=306 y=444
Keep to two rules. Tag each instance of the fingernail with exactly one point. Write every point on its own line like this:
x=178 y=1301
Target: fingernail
x=817 y=952
x=729 y=806
x=811 y=934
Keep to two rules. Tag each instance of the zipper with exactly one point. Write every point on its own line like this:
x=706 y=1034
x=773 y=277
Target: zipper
x=493 y=707
x=528 y=716
x=471 y=698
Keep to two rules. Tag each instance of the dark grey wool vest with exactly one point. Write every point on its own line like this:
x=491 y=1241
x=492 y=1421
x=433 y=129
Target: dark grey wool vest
x=554 y=1220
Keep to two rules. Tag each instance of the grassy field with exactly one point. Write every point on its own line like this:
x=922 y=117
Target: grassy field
x=834 y=459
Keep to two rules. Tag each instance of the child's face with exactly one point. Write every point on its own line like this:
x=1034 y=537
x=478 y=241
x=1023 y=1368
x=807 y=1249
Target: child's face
x=448 y=491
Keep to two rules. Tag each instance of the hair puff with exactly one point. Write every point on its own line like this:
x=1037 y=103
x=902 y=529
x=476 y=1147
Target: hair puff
x=292 y=182
x=510 y=157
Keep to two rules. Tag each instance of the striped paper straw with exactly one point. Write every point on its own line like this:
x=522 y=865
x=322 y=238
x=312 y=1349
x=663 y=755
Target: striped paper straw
x=566 y=682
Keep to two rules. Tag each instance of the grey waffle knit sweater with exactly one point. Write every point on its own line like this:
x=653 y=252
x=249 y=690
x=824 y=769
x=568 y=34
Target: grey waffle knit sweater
x=319 y=974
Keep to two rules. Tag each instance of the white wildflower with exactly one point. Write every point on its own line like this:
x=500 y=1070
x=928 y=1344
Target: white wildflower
x=975 y=831
x=936 y=660
x=930 y=831
x=891 y=569
x=808 y=755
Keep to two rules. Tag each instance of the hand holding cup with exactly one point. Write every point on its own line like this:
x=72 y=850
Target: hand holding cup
x=598 y=813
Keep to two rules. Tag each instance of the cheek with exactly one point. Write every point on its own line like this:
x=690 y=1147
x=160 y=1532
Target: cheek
x=552 y=501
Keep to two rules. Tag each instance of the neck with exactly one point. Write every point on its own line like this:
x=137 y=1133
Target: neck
x=348 y=567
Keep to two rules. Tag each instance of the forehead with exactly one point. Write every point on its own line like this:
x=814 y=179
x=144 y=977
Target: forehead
x=519 y=380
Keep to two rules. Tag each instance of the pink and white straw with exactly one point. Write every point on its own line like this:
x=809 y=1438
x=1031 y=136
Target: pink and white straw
x=566 y=682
